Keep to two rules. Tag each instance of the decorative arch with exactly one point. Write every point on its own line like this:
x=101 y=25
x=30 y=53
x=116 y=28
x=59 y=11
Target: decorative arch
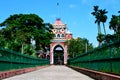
x=57 y=45
x=53 y=52
x=58 y=52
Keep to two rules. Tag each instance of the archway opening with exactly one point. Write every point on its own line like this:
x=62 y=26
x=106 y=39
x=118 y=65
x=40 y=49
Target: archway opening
x=58 y=55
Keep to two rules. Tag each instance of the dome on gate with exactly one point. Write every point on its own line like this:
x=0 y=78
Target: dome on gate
x=68 y=32
x=58 y=22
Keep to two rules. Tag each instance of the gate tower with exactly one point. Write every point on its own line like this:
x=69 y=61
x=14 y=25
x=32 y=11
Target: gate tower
x=58 y=48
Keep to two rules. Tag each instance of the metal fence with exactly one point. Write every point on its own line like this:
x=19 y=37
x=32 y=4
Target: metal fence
x=13 y=60
x=105 y=58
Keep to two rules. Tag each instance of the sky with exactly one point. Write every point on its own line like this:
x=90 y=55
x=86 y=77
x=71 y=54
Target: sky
x=75 y=13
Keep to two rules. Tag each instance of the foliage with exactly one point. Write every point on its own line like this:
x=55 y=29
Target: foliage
x=78 y=46
x=20 y=29
x=109 y=38
x=100 y=37
x=115 y=24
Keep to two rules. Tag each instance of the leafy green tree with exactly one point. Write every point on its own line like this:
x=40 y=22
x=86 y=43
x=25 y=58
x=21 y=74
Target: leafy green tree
x=115 y=24
x=109 y=38
x=78 y=46
x=19 y=29
x=100 y=38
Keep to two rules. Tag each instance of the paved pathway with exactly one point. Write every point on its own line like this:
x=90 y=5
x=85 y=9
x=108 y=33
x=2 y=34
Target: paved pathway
x=52 y=73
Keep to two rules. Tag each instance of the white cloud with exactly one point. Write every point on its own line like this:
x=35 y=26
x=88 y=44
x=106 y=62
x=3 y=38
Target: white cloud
x=72 y=6
x=53 y=16
x=88 y=2
x=74 y=23
x=84 y=1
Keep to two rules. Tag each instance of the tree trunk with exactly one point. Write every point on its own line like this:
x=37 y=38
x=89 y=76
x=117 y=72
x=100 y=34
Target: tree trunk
x=104 y=28
x=99 y=31
x=99 y=28
x=86 y=47
x=73 y=55
x=22 y=49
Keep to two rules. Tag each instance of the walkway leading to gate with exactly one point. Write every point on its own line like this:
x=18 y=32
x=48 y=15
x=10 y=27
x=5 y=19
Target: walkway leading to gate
x=52 y=73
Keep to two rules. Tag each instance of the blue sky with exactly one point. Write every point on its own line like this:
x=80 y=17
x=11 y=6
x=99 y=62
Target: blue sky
x=75 y=13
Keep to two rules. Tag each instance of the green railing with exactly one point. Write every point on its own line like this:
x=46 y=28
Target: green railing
x=13 y=60
x=105 y=58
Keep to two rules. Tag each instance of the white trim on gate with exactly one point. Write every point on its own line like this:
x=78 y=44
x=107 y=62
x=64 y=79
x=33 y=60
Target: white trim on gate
x=52 y=61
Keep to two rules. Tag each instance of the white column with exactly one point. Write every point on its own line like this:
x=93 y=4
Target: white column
x=65 y=55
x=52 y=58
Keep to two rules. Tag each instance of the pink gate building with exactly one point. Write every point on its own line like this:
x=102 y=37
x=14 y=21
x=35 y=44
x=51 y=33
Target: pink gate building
x=58 y=48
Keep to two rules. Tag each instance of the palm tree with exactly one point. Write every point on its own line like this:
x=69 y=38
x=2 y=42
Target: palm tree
x=96 y=13
x=97 y=16
x=103 y=18
x=100 y=17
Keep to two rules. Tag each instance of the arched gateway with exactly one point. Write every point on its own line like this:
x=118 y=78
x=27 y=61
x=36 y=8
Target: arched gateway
x=58 y=48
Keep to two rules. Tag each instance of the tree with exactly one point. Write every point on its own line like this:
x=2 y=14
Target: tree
x=100 y=17
x=71 y=46
x=21 y=28
x=114 y=24
x=109 y=38
x=100 y=38
x=86 y=44
x=78 y=46
x=97 y=16
x=103 y=18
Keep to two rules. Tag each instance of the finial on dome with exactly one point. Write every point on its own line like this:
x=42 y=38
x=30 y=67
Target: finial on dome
x=58 y=19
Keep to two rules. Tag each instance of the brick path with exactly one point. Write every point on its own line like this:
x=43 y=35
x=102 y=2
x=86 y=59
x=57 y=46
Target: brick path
x=52 y=73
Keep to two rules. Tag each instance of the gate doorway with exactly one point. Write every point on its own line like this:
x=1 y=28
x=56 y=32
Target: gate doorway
x=58 y=55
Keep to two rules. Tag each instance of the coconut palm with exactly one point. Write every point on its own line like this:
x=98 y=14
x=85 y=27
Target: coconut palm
x=97 y=16
x=103 y=18
x=100 y=15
